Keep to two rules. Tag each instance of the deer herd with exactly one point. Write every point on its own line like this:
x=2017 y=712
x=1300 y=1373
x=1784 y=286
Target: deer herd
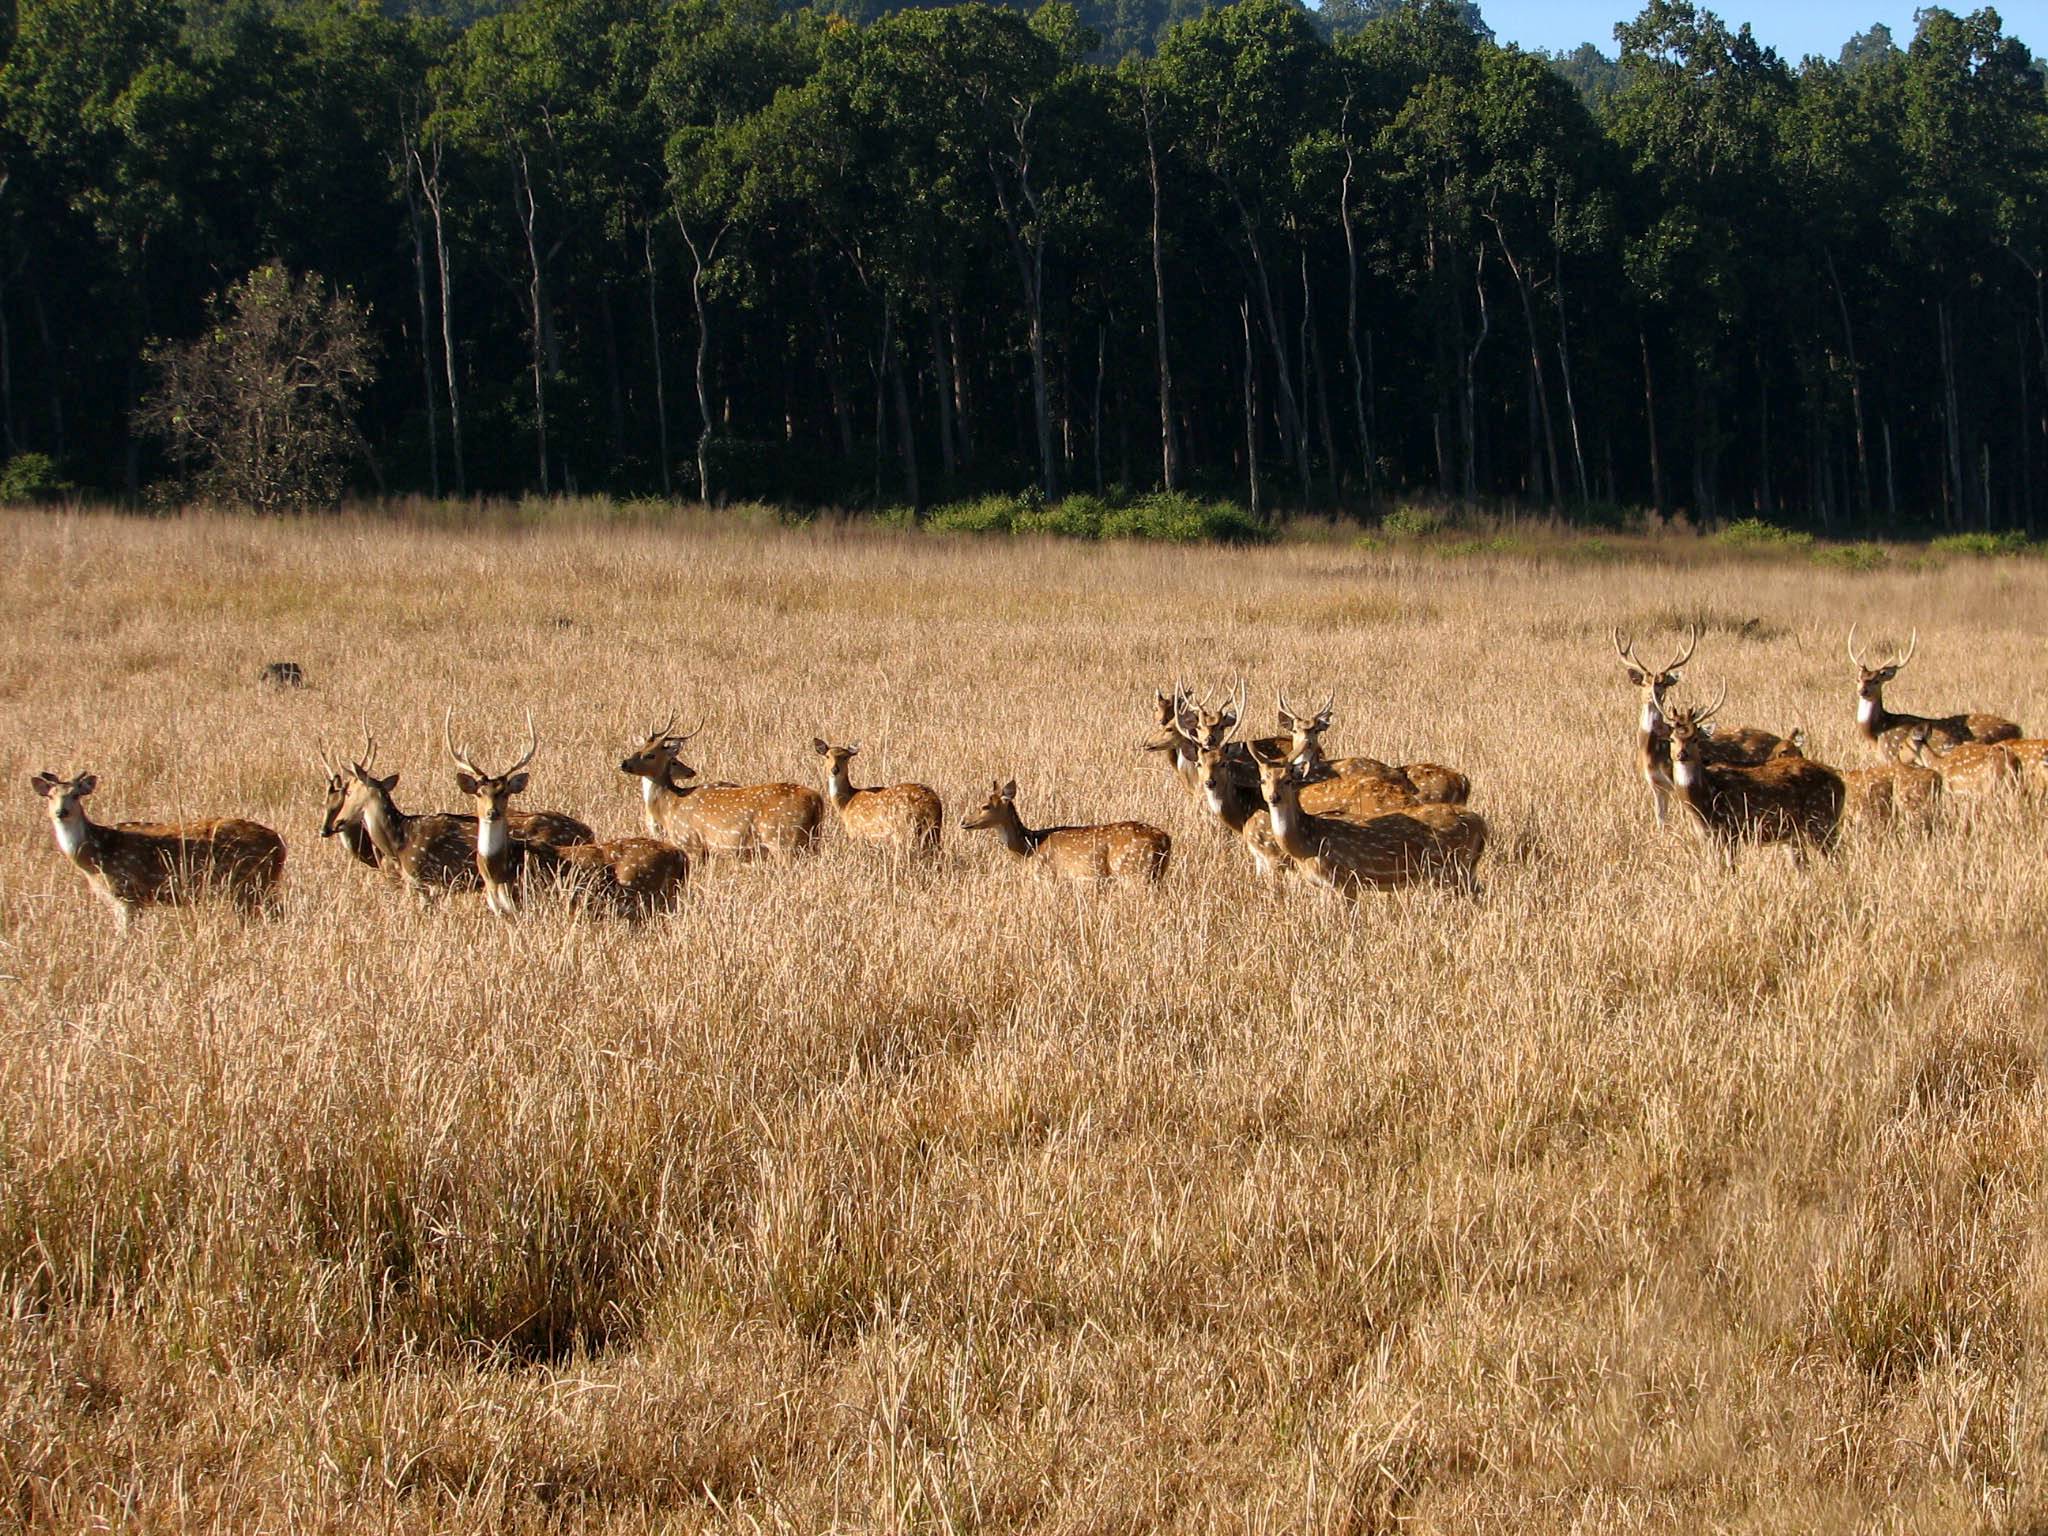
x=1348 y=824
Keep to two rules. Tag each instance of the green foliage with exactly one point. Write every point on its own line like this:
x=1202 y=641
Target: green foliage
x=984 y=514
x=1982 y=545
x=1760 y=533
x=31 y=478
x=1853 y=557
x=1172 y=517
x=1413 y=521
x=1077 y=517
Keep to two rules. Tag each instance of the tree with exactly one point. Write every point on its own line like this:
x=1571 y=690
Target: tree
x=261 y=407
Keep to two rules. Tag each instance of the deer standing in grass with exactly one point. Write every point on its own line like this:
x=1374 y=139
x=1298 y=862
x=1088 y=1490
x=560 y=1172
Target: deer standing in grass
x=1889 y=732
x=1239 y=813
x=1746 y=746
x=1788 y=798
x=135 y=864
x=1392 y=847
x=1115 y=850
x=628 y=876
x=902 y=817
x=433 y=852
x=736 y=821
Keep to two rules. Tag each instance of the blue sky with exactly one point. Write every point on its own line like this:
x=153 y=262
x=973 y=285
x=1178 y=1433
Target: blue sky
x=1793 y=27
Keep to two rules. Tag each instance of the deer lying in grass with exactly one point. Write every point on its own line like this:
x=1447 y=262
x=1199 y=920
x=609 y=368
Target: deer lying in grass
x=1746 y=746
x=902 y=817
x=1239 y=813
x=628 y=877
x=551 y=827
x=1972 y=772
x=734 y=821
x=1788 y=798
x=135 y=864
x=1117 y=850
x=1890 y=732
x=1372 y=781
x=1383 y=850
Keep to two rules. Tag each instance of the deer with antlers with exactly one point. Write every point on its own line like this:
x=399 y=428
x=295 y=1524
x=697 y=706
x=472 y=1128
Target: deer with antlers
x=433 y=852
x=550 y=827
x=905 y=818
x=1428 y=783
x=1242 y=815
x=1746 y=746
x=734 y=821
x=628 y=876
x=1384 y=849
x=1788 y=798
x=1115 y=850
x=134 y=864
x=1890 y=732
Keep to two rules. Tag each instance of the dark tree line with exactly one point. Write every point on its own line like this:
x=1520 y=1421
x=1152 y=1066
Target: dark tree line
x=721 y=246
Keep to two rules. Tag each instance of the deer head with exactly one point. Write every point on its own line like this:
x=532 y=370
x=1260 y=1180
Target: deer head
x=998 y=810
x=658 y=758
x=489 y=790
x=1655 y=681
x=1871 y=680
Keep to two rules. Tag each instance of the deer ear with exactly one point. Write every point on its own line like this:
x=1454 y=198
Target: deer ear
x=517 y=783
x=43 y=783
x=466 y=782
x=818 y=746
x=87 y=783
x=1010 y=790
x=386 y=784
x=1638 y=676
x=854 y=750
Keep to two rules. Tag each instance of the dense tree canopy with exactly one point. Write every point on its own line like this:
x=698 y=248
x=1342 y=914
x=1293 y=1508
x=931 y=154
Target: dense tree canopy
x=731 y=246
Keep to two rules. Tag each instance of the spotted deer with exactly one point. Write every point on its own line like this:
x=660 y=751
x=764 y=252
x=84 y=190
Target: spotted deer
x=134 y=864
x=551 y=827
x=1430 y=783
x=1889 y=731
x=1745 y=746
x=734 y=821
x=1891 y=795
x=627 y=877
x=1385 y=849
x=1115 y=850
x=1971 y=772
x=1788 y=798
x=433 y=852
x=1239 y=813
x=905 y=818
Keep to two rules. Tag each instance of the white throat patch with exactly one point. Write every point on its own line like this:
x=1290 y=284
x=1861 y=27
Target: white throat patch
x=1866 y=711
x=493 y=837
x=70 y=832
x=1684 y=774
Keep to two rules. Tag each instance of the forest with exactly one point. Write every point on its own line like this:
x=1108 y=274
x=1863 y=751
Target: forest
x=1309 y=260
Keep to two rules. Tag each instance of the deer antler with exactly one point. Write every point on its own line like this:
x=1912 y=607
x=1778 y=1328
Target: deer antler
x=1911 y=646
x=1329 y=704
x=369 y=752
x=1692 y=643
x=462 y=759
x=1701 y=716
x=1624 y=647
x=660 y=732
x=532 y=746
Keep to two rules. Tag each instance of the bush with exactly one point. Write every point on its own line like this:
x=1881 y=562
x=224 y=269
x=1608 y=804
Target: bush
x=1757 y=533
x=985 y=514
x=28 y=478
x=1984 y=545
x=1413 y=522
x=1173 y=517
x=1854 y=557
x=1078 y=517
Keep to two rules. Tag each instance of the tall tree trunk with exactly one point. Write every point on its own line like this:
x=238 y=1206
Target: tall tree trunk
x=882 y=390
x=943 y=388
x=654 y=346
x=702 y=254
x=7 y=437
x=1291 y=427
x=432 y=190
x=1891 y=489
x=963 y=399
x=1169 y=456
x=1766 y=502
x=1029 y=253
x=536 y=292
x=1251 y=412
x=1855 y=386
x=419 y=279
x=1095 y=427
x=1541 y=389
x=1351 y=316
x=1468 y=400
x=1953 y=497
x=615 y=388
x=1650 y=418
x=906 y=433
x=1312 y=354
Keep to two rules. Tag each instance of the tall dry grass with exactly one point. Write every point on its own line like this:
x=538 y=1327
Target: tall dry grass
x=1638 y=1196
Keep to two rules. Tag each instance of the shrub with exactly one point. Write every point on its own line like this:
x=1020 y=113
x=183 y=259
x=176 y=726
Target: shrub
x=1413 y=522
x=1854 y=557
x=1984 y=545
x=1759 y=533
x=1078 y=517
x=28 y=478
x=1173 y=517
x=985 y=514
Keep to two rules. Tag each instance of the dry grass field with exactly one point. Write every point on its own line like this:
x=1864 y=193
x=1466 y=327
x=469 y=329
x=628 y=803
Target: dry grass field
x=1636 y=1196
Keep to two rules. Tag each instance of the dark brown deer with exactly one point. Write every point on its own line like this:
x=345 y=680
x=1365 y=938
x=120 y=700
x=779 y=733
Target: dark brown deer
x=627 y=877
x=135 y=864
x=1788 y=798
x=1889 y=731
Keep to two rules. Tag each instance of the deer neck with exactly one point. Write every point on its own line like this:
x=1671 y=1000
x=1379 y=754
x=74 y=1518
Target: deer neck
x=839 y=787
x=495 y=855
x=1017 y=837
x=1309 y=754
x=77 y=839
x=385 y=823
x=1221 y=796
x=356 y=839
x=1872 y=718
x=1283 y=811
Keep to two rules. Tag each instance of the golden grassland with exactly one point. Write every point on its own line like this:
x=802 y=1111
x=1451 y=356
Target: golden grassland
x=1636 y=1196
